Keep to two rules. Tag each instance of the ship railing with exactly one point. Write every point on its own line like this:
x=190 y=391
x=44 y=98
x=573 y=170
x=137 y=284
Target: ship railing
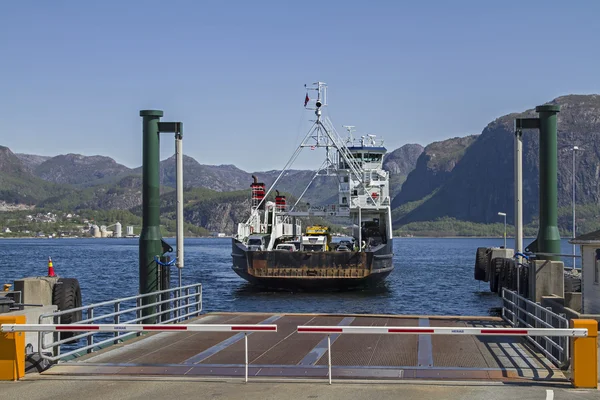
x=521 y=312
x=403 y=330
x=167 y=306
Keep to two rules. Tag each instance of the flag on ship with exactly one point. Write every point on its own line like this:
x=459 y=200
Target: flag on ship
x=306 y=99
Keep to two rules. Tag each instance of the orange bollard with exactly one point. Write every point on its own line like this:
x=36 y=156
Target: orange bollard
x=584 y=364
x=12 y=350
x=50 y=268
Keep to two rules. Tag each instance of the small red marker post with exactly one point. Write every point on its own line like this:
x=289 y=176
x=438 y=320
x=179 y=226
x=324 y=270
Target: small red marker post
x=50 y=268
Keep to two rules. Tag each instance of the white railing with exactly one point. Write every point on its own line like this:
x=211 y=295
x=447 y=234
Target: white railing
x=167 y=306
x=519 y=311
x=566 y=333
x=120 y=328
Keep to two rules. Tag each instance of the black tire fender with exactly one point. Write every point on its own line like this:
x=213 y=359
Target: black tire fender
x=66 y=295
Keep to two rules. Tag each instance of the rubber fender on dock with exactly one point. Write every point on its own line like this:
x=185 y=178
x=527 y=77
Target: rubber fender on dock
x=500 y=276
x=66 y=295
x=514 y=276
x=508 y=270
x=494 y=273
x=481 y=259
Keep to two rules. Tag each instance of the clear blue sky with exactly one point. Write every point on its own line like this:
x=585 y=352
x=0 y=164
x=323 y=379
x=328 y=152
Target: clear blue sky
x=74 y=74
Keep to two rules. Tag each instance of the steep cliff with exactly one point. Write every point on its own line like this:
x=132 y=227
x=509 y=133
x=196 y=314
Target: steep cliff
x=481 y=184
x=433 y=167
x=400 y=163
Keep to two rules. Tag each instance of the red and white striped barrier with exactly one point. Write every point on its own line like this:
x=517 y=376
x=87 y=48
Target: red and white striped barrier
x=135 y=328
x=241 y=328
x=444 y=331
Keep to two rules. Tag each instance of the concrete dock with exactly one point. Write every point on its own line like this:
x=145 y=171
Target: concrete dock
x=167 y=387
x=287 y=354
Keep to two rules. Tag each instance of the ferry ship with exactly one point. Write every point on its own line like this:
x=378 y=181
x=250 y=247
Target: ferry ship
x=272 y=250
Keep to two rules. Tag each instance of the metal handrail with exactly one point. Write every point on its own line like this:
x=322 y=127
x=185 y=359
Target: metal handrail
x=517 y=316
x=553 y=255
x=109 y=302
x=132 y=321
x=541 y=321
x=187 y=301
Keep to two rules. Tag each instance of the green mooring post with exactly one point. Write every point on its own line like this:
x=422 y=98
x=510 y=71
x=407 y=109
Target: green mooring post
x=548 y=239
x=150 y=237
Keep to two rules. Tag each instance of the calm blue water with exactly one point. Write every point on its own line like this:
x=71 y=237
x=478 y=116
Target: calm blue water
x=432 y=276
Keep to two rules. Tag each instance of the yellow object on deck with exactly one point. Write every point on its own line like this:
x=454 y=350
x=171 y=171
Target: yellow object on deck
x=317 y=230
x=12 y=350
x=585 y=355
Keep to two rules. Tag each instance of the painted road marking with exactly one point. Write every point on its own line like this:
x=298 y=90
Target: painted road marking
x=425 y=346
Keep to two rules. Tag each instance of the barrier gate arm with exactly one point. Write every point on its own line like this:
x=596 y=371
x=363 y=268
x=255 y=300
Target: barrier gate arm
x=135 y=328
x=577 y=332
x=584 y=335
x=12 y=328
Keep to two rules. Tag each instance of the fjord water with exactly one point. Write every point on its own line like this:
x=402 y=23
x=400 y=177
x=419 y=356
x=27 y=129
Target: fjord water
x=431 y=276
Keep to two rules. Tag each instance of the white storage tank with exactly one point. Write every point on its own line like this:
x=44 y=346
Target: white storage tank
x=96 y=231
x=129 y=230
x=118 y=230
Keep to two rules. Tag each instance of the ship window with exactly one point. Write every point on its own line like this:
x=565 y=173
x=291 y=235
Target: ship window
x=344 y=200
x=345 y=179
x=372 y=157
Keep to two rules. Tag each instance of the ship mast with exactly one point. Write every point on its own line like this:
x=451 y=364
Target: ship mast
x=339 y=159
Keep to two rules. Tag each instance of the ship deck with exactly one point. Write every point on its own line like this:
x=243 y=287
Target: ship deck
x=287 y=354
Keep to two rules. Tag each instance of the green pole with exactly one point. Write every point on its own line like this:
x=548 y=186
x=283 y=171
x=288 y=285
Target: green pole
x=150 y=237
x=548 y=239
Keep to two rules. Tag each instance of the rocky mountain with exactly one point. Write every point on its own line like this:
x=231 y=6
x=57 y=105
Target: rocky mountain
x=219 y=213
x=400 y=163
x=481 y=183
x=218 y=195
x=75 y=169
x=31 y=161
x=10 y=164
x=89 y=171
x=433 y=167
x=18 y=185
x=222 y=178
x=402 y=160
x=121 y=195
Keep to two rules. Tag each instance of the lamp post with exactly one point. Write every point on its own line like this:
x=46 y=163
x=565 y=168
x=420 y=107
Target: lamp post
x=504 y=215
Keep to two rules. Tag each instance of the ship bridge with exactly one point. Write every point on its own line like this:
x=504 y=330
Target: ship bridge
x=363 y=182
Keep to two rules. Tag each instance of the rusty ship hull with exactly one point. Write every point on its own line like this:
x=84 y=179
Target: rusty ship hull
x=313 y=270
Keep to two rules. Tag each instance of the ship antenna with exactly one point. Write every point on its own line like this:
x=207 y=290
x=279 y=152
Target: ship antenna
x=350 y=129
x=320 y=99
